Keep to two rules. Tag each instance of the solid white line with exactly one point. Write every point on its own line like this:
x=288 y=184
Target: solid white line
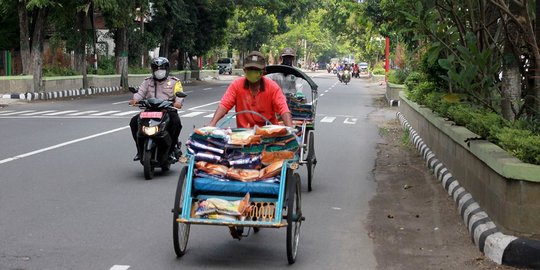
x=19 y=112
x=191 y=114
x=204 y=105
x=61 y=145
x=121 y=102
x=61 y=112
x=328 y=119
x=126 y=113
x=36 y=113
x=120 y=267
x=81 y=113
x=104 y=113
x=5 y=111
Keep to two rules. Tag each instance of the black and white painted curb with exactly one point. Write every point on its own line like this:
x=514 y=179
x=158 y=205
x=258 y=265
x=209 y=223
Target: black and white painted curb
x=500 y=248
x=62 y=94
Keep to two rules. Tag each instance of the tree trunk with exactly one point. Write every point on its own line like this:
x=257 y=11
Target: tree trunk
x=37 y=49
x=511 y=85
x=536 y=85
x=80 y=50
x=122 y=56
x=24 y=39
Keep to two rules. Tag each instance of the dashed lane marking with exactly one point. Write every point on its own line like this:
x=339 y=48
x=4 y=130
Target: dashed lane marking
x=40 y=112
x=126 y=113
x=207 y=88
x=60 y=112
x=119 y=267
x=191 y=114
x=328 y=119
x=352 y=121
x=81 y=113
x=104 y=113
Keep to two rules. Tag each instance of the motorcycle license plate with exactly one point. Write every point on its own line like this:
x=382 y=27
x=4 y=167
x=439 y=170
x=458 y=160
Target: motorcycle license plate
x=151 y=114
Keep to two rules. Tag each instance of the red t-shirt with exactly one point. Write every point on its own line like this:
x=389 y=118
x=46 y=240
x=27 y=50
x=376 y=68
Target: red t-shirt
x=268 y=101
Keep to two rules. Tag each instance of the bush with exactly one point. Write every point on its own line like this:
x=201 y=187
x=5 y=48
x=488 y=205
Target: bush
x=420 y=91
x=397 y=76
x=379 y=71
x=106 y=66
x=58 y=71
x=523 y=144
x=486 y=124
x=139 y=70
x=413 y=79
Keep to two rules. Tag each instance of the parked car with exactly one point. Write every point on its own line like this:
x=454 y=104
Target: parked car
x=226 y=65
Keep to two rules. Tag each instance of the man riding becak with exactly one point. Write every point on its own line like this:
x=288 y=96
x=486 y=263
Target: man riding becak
x=254 y=92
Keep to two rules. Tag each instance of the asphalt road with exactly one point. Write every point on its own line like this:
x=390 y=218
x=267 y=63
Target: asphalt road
x=72 y=198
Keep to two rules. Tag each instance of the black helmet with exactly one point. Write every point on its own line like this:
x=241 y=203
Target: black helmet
x=288 y=52
x=160 y=63
x=287 y=57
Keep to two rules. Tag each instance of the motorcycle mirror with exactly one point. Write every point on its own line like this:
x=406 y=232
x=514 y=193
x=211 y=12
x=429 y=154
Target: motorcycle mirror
x=132 y=89
x=181 y=94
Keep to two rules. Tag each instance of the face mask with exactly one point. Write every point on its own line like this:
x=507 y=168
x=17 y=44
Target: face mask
x=160 y=74
x=253 y=76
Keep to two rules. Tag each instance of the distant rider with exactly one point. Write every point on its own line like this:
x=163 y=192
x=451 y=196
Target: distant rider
x=159 y=85
x=289 y=83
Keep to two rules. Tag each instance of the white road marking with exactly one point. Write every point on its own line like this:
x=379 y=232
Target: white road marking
x=81 y=113
x=104 y=113
x=328 y=119
x=36 y=113
x=326 y=91
x=207 y=88
x=209 y=116
x=187 y=92
x=18 y=112
x=119 y=267
x=321 y=95
x=204 y=105
x=121 y=102
x=350 y=122
x=60 y=112
x=126 y=113
x=61 y=145
x=192 y=114
x=5 y=112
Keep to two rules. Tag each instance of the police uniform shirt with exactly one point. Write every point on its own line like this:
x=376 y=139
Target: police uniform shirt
x=165 y=89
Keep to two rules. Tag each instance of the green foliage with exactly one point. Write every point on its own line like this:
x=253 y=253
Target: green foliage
x=420 y=91
x=523 y=144
x=397 y=76
x=58 y=71
x=379 y=71
x=413 y=79
x=138 y=70
x=106 y=66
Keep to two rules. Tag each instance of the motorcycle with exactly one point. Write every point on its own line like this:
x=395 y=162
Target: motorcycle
x=356 y=73
x=153 y=140
x=346 y=77
x=329 y=69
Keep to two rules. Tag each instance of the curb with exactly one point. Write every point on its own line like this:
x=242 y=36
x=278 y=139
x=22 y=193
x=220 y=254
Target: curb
x=61 y=94
x=500 y=248
x=65 y=93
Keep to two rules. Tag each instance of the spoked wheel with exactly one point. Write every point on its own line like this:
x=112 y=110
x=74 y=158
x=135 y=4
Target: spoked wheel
x=180 y=230
x=294 y=216
x=147 y=164
x=311 y=159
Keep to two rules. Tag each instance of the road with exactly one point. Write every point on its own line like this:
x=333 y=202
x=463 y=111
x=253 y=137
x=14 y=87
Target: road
x=72 y=198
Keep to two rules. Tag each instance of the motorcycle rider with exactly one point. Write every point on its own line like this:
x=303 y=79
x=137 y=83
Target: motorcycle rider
x=159 y=85
x=289 y=83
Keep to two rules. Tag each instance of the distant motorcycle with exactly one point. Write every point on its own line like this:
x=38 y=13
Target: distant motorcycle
x=153 y=140
x=329 y=69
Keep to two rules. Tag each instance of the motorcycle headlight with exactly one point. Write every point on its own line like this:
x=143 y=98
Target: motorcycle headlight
x=150 y=131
